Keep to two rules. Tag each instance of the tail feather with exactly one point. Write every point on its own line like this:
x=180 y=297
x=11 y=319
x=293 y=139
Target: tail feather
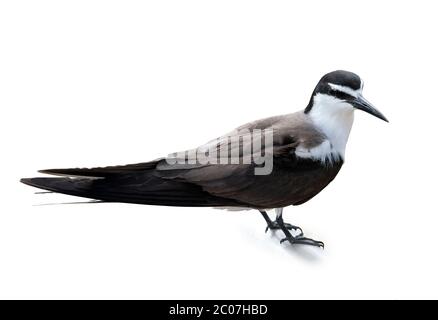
x=74 y=187
x=102 y=172
x=133 y=188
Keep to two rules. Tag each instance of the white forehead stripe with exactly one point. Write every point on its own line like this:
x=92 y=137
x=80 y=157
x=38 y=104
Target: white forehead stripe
x=346 y=90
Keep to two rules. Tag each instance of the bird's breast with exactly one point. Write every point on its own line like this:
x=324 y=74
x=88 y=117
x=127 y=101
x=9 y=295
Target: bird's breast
x=296 y=182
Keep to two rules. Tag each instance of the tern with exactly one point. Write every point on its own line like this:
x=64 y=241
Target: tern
x=306 y=150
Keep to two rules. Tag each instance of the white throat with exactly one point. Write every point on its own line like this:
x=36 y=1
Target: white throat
x=334 y=118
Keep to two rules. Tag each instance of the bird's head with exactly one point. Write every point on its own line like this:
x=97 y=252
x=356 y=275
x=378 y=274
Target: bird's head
x=340 y=92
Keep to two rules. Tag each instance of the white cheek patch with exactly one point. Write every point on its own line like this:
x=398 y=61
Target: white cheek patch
x=347 y=90
x=323 y=152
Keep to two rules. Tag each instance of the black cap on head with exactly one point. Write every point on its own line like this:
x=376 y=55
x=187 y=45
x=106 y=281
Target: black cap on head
x=342 y=78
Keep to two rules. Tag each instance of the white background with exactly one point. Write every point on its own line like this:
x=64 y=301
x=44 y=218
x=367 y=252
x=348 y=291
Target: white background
x=92 y=83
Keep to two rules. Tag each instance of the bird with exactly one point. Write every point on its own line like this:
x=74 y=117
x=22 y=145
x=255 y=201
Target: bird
x=306 y=150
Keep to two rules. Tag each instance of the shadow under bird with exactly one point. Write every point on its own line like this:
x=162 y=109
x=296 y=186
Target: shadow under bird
x=307 y=151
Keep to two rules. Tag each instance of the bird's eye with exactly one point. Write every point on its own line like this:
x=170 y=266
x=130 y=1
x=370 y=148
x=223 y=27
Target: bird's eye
x=340 y=95
x=343 y=95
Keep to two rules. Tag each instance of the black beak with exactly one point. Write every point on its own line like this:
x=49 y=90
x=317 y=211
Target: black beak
x=362 y=104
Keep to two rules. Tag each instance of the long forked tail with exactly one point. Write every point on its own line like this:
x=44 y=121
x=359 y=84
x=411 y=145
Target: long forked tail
x=120 y=184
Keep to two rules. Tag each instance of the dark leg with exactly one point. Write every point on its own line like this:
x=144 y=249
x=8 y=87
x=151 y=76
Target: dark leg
x=269 y=222
x=297 y=239
x=273 y=225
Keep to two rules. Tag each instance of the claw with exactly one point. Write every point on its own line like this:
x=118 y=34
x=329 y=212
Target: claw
x=279 y=224
x=303 y=240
